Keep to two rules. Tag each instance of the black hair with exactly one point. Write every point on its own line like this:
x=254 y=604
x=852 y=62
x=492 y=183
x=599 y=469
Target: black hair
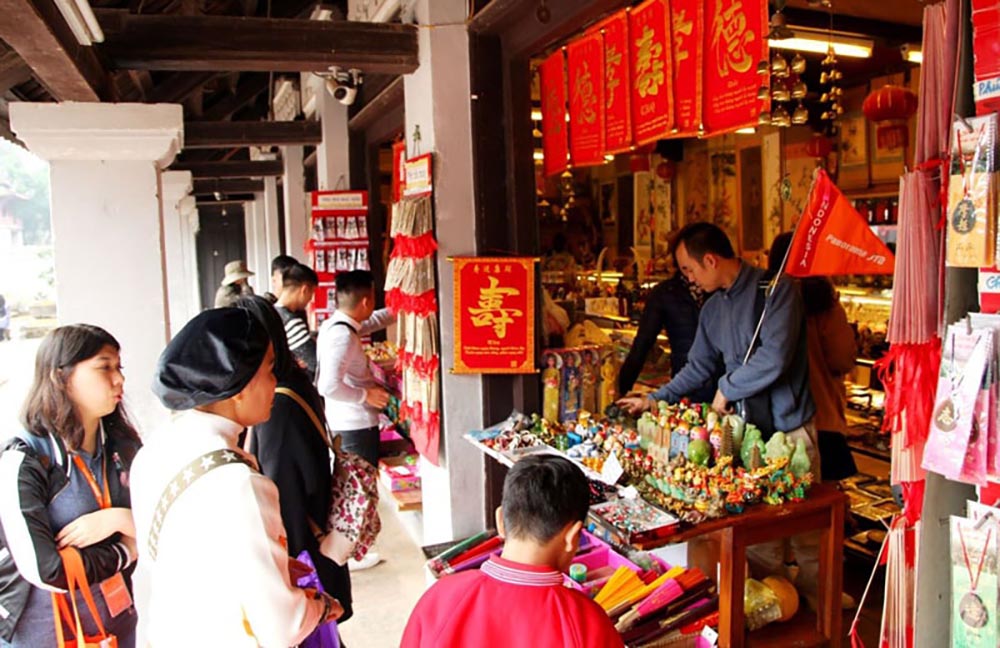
x=704 y=238
x=283 y=262
x=541 y=495
x=263 y=311
x=818 y=293
x=353 y=285
x=299 y=275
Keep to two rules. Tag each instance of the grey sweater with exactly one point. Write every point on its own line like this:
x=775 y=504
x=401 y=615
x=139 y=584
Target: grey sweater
x=778 y=367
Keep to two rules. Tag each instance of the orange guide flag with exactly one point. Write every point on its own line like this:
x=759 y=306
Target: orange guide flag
x=832 y=238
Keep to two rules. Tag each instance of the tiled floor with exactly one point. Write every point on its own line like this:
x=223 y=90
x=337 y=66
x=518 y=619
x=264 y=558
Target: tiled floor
x=384 y=595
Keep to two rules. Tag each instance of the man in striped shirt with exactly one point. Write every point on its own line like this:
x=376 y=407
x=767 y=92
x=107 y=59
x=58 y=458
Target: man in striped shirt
x=298 y=286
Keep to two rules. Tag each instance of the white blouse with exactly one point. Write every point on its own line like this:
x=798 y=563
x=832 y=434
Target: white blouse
x=220 y=577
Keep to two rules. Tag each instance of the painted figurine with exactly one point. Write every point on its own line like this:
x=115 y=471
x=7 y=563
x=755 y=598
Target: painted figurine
x=571 y=387
x=588 y=383
x=551 y=380
x=609 y=381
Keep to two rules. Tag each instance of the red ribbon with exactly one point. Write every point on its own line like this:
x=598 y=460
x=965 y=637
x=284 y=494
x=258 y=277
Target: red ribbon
x=410 y=247
x=909 y=374
x=424 y=305
x=426 y=368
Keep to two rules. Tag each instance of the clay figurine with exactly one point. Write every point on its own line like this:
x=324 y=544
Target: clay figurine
x=778 y=446
x=800 y=465
x=751 y=440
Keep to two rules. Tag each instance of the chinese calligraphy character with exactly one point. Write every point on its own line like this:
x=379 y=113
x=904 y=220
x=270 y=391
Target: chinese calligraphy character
x=649 y=75
x=612 y=62
x=682 y=28
x=553 y=111
x=730 y=38
x=491 y=311
x=583 y=93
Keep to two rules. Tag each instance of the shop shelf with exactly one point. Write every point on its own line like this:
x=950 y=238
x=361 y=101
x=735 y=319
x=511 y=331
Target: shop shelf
x=799 y=632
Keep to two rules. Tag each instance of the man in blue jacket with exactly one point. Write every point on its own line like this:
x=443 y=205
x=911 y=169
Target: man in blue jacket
x=772 y=386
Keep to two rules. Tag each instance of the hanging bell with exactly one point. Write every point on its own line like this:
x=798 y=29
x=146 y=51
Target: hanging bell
x=836 y=91
x=781 y=94
x=827 y=116
x=825 y=97
x=765 y=118
x=763 y=93
x=831 y=58
x=798 y=64
x=763 y=68
x=800 y=116
x=837 y=108
x=799 y=90
x=779 y=66
x=781 y=118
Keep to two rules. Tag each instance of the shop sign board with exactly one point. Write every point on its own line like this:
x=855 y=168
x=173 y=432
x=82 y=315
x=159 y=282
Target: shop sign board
x=617 y=83
x=494 y=315
x=687 y=21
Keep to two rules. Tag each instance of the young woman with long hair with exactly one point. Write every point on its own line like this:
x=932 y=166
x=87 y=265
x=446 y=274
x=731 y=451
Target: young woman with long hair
x=64 y=483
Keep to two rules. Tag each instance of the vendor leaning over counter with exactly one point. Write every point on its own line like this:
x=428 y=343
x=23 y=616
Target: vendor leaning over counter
x=672 y=306
x=773 y=385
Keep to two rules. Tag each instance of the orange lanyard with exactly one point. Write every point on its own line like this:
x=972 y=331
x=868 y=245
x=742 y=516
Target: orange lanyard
x=103 y=500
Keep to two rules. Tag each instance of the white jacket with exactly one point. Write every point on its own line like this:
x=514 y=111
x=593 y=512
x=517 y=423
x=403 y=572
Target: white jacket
x=221 y=570
x=344 y=372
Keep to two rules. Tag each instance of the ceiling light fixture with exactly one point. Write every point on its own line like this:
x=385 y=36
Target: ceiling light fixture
x=819 y=42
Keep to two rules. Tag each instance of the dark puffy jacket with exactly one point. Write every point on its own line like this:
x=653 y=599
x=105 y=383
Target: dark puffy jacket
x=669 y=308
x=33 y=470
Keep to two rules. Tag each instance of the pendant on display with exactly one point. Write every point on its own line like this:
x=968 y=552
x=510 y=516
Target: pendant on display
x=963 y=218
x=947 y=416
x=973 y=611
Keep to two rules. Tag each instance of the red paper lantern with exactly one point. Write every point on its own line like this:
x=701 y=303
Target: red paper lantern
x=819 y=146
x=890 y=107
x=638 y=162
x=666 y=170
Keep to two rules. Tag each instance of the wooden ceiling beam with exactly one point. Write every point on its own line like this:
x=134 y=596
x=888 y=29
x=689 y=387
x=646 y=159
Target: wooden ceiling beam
x=246 y=92
x=203 y=43
x=13 y=71
x=202 y=134
x=179 y=86
x=38 y=33
x=211 y=186
x=390 y=98
x=231 y=169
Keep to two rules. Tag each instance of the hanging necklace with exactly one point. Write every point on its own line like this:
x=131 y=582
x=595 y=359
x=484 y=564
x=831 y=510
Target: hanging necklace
x=948 y=413
x=971 y=608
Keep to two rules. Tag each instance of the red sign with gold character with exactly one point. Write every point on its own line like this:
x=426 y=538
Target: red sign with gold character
x=494 y=315
x=555 y=143
x=585 y=60
x=735 y=41
x=652 y=71
x=687 y=20
x=617 y=84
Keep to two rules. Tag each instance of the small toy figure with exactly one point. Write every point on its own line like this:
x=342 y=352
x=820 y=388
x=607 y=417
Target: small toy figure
x=571 y=386
x=551 y=380
x=588 y=382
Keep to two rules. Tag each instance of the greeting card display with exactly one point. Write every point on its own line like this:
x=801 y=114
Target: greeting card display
x=971 y=215
x=974 y=583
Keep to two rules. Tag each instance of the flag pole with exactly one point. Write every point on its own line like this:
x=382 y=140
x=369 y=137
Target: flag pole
x=774 y=280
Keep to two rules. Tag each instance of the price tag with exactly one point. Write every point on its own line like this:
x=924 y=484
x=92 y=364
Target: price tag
x=710 y=635
x=629 y=492
x=612 y=470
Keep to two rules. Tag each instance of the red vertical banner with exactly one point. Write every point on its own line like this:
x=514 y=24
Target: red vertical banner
x=555 y=142
x=585 y=61
x=687 y=20
x=652 y=71
x=617 y=84
x=736 y=40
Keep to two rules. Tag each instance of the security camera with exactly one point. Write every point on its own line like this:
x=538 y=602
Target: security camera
x=344 y=85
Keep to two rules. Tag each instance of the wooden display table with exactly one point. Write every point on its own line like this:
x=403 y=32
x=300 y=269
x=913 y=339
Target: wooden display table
x=823 y=511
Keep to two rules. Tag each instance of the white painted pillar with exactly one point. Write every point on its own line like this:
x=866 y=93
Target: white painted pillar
x=189 y=252
x=176 y=187
x=437 y=100
x=296 y=214
x=272 y=228
x=250 y=218
x=193 y=274
x=107 y=219
x=333 y=164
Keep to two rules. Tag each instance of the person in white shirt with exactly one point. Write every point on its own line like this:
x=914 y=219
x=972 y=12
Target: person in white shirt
x=353 y=399
x=213 y=568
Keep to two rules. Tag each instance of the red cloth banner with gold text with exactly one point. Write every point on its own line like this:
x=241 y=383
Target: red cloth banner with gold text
x=585 y=61
x=687 y=19
x=494 y=315
x=617 y=84
x=652 y=71
x=735 y=41
x=834 y=239
x=555 y=144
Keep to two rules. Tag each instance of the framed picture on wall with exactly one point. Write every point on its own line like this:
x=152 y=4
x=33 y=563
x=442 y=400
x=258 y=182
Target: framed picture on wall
x=751 y=184
x=643 y=210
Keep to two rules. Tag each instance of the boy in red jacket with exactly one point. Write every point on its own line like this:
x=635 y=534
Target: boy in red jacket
x=519 y=596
